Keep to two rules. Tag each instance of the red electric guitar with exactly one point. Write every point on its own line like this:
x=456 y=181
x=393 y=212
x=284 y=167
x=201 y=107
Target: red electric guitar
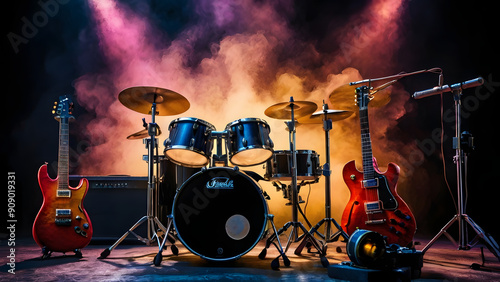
x=374 y=204
x=62 y=224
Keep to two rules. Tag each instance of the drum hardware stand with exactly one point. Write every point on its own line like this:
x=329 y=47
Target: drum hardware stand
x=219 y=158
x=295 y=224
x=150 y=217
x=461 y=217
x=328 y=220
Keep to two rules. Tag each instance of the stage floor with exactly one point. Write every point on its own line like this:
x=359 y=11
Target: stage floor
x=134 y=262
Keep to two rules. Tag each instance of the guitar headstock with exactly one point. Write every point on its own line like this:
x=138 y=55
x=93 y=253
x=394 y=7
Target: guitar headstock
x=363 y=97
x=63 y=109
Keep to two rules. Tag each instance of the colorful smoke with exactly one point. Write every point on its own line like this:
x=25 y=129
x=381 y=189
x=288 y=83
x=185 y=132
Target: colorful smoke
x=235 y=60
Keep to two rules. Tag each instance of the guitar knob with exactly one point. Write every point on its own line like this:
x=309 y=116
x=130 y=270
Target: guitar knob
x=353 y=177
x=86 y=225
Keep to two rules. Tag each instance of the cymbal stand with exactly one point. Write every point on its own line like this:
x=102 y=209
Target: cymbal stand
x=153 y=223
x=328 y=220
x=295 y=224
x=461 y=217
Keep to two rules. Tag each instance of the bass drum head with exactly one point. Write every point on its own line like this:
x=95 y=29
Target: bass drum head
x=219 y=213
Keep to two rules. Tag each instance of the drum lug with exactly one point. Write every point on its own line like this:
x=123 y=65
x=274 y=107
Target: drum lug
x=167 y=142
x=244 y=142
x=240 y=128
x=195 y=127
x=270 y=143
x=191 y=143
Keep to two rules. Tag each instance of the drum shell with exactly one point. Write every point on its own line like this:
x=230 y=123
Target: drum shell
x=249 y=134
x=172 y=176
x=204 y=204
x=193 y=137
x=278 y=166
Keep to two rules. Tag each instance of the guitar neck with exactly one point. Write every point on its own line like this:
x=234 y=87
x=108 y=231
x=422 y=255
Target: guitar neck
x=63 y=160
x=366 y=145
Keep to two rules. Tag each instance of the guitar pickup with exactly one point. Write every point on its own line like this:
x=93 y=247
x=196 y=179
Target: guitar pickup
x=372 y=207
x=64 y=193
x=369 y=183
x=63 y=213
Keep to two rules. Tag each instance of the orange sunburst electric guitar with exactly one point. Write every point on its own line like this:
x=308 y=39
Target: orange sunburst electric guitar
x=62 y=224
x=374 y=204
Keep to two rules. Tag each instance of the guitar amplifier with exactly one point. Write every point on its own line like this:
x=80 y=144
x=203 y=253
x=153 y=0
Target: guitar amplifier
x=114 y=204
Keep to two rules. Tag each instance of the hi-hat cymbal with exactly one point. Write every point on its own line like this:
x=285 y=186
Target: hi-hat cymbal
x=138 y=135
x=141 y=134
x=284 y=110
x=141 y=98
x=317 y=117
x=344 y=97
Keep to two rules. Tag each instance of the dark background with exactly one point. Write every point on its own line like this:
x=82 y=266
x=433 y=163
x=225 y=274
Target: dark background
x=457 y=36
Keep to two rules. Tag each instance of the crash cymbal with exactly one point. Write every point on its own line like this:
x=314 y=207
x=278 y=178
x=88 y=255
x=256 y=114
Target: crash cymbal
x=317 y=117
x=284 y=110
x=344 y=97
x=141 y=98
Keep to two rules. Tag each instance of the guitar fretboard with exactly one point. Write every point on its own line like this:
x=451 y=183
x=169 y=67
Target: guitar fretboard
x=63 y=161
x=366 y=145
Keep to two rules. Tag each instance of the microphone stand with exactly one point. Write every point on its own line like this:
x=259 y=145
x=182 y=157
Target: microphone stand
x=461 y=217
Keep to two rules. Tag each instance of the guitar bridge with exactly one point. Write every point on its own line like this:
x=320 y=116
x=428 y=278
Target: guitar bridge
x=375 y=221
x=63 y=221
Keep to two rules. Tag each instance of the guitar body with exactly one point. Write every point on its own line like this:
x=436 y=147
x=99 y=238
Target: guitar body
x=393 y=219
x=62 y=224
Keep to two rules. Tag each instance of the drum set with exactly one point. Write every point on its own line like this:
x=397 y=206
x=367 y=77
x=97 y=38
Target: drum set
x=219 y=212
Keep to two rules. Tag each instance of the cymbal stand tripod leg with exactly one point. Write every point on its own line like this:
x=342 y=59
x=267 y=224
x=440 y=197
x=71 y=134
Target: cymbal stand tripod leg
x=153 y=224
x=328 y=220
x=295 y=224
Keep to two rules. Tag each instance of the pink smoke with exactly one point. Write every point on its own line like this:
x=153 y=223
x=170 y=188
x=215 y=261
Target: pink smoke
x=247 y=70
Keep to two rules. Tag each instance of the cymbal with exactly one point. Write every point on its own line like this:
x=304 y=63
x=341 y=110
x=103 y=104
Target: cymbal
x=317 y=117
x=344 y=97
x=284 y=110
x=138 y=135
x=141 y=134
x=141 y=98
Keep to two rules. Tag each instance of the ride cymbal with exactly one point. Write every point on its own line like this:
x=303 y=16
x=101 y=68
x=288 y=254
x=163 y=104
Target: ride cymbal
x=141 y=98
x=317 y=117
x=284 y=110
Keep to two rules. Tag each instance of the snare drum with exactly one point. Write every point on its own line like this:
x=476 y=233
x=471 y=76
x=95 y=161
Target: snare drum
x=249 y=142
x=279 y=165
x=189 y=143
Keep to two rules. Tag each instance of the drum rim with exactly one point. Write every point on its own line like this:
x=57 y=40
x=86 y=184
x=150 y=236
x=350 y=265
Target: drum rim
x=195 y=150
x=264 y=147
x=204 y=122
x=298 y=151
x=245 y=120
x=266 y=213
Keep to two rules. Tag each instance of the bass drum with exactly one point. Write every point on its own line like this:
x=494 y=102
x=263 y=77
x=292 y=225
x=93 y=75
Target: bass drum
x=220 y=213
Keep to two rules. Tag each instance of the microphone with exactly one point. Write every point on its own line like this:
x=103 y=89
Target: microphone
x=445 y=88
